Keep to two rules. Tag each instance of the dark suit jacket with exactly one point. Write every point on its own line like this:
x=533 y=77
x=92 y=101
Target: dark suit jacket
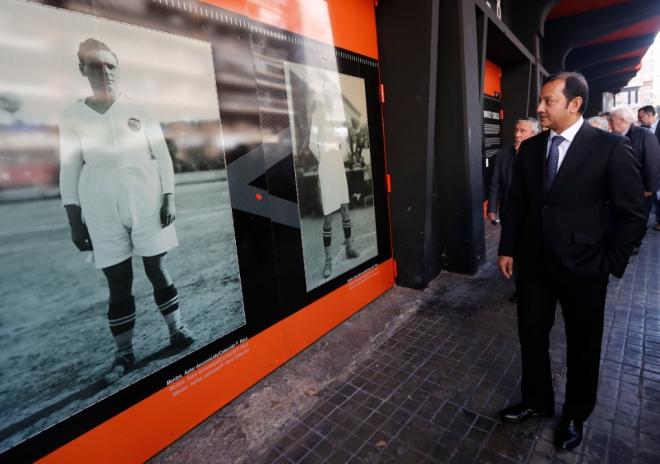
x=590 y=219
x=647 y=151
x=657 y=132
x=501 y=180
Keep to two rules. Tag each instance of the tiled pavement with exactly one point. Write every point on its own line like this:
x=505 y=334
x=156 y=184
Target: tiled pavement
x=432 y=390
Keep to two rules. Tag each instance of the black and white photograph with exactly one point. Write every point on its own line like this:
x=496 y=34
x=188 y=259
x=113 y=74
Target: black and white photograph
x=118 y=254
x=331 y=152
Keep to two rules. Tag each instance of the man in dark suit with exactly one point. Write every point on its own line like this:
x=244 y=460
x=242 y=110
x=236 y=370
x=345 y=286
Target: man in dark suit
x=646 y=149
x=574 y=212
x=648 y=118
x=501 y=180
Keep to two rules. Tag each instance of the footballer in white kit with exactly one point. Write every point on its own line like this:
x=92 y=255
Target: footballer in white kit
x=328 y=141
x=117 y=167
x=117 y=186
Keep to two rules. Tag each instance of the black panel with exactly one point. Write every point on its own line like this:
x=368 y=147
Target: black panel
x=405 y=44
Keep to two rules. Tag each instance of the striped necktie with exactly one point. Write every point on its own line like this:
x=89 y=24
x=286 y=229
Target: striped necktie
x=552 y=163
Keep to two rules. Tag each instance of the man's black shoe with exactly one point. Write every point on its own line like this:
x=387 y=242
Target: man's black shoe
x=518 y=414
x=568 y=434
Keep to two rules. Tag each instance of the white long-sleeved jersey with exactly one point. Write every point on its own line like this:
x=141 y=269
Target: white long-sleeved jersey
x=125 y=136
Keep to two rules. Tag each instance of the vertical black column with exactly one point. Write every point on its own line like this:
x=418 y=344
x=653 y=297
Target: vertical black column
x=516 y=90
x=430 y=68
x=407 y=42
x=458 y=181
x=595 y=104
x=538 y=77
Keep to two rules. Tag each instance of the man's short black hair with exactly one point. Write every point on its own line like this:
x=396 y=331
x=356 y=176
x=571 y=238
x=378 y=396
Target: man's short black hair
x=575 y=86
x=89 y=46
x=648 y=109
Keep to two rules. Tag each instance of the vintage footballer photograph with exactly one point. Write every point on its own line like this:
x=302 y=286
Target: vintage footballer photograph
x=118 y=254
x=331 y=153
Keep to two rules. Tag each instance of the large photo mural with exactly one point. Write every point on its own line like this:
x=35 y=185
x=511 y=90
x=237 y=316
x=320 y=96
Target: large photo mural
x=118 y=254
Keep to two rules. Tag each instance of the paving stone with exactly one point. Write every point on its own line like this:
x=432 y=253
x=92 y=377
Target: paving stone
x=311 y=458
x=486 y=456
x=594 y=452
x=338 y=456
x=485 y=423
x=296 y=453
x=282 y=460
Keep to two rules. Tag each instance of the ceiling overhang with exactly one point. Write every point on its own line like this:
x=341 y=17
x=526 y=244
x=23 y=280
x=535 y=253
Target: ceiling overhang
x=603 y=39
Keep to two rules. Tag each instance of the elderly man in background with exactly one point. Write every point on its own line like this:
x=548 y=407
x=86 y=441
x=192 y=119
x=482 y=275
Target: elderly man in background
x=599 y=122
x=501 y=181
x=647 y=151
x=648 y=118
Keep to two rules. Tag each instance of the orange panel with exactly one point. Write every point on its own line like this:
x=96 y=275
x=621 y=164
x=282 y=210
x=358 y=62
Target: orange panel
x=354 y=25
x=144 y=429
x=492 y=79
x=237 y=6
x=346 y=24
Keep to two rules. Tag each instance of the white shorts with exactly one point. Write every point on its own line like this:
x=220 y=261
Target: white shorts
x=121 y=208
x=332 y=181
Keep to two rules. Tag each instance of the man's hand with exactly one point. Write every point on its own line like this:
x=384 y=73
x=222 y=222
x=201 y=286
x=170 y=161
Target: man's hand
x=80 y=237
x=168 y=210
x=492 y=217
x=506 y=266
x=647 y=194
x=79 y=233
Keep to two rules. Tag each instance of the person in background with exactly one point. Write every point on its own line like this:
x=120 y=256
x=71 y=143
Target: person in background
x=599 y=122
x=647 y=151
x=606 y=115
x=501 y=180
x=648 y=119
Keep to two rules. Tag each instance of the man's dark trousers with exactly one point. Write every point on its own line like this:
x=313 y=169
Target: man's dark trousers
x=583 y=305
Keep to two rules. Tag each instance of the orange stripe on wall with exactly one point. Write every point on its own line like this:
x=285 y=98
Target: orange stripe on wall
x=142 y=430
x=349 y=24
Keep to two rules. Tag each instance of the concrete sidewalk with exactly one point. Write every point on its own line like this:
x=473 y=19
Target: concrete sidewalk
x=420 y=377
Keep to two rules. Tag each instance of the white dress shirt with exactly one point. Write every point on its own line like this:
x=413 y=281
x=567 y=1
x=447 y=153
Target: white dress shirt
x=569 y=135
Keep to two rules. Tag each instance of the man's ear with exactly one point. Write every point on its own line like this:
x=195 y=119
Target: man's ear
x=576 y=103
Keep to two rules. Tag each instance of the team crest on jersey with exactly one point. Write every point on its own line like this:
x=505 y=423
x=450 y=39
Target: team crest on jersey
x=135 y=124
